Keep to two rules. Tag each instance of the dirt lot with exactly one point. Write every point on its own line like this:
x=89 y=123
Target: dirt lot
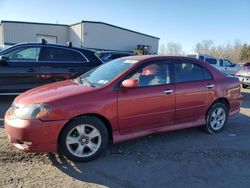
x=187 y=158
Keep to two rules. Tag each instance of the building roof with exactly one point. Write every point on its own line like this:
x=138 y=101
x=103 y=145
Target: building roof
x=103 y=23
x=20 y=22
x=84 y=21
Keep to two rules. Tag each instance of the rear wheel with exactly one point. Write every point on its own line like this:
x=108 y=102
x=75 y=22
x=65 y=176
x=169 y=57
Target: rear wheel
x=83 y=139
x=216 y=118
x=244 y=85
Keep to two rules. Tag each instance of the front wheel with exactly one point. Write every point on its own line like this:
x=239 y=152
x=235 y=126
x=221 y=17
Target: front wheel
x=83 y=139
x=216 y=118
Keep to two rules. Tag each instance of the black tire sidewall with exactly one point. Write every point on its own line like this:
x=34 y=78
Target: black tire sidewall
x=208 y=126
x=244 y=86
x=93 y=121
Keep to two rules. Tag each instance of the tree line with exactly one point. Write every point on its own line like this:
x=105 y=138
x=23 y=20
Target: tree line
x=236 y=51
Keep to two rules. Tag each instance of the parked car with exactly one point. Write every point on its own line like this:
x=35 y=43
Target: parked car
x=120 y=100
x=244 y=75
x=246 y=65
x=107 y=56
x=25 y=66
x=224 y=65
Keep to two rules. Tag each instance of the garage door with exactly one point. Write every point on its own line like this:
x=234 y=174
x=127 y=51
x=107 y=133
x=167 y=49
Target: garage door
x=48 y=38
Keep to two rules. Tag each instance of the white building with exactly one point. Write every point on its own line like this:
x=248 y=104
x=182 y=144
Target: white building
x=89 y=34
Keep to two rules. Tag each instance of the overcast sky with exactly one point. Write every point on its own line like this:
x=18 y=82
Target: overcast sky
x=183 y=21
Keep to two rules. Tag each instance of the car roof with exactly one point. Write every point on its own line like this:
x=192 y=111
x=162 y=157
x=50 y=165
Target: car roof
x=159 y=57
x=49 y=44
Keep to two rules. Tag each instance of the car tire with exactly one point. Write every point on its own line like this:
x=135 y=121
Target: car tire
x=244 y=86
x=216 y=118
x=83 y=139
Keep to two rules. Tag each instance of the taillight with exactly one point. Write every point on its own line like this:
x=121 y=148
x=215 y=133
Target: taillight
x=245 y=67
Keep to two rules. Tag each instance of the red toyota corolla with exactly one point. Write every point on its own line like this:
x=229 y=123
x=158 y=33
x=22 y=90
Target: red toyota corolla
x=121 y=100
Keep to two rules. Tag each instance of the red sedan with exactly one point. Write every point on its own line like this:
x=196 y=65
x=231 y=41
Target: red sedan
x=121 y=100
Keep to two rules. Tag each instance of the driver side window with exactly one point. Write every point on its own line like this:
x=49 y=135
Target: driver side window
x=24 y=54
x=228 y=63
x=152 y=74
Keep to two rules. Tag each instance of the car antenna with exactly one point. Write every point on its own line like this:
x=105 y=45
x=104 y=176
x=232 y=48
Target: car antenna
x=44 y=41
x=69 y=44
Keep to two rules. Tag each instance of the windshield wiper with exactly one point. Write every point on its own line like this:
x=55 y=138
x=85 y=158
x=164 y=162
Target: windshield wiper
x=85 y=82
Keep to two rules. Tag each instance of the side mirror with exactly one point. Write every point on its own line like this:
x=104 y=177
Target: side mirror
x=3 y=59
x=129 y=83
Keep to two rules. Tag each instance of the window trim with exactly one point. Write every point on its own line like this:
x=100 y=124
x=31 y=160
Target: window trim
x=42 y=46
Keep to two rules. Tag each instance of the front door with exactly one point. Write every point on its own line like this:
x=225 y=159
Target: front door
x=149 y=105
x=20 y=71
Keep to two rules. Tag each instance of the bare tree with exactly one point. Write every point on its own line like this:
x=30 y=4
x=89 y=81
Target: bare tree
x=204 y=47
x=228 y=51
x=162 y=50
x=174 y=49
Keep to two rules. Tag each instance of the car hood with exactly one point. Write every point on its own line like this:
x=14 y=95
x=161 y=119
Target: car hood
x=52 y=92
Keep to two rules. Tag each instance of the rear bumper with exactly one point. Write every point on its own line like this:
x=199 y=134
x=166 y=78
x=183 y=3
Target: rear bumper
x=33 y=135
x=235 y=104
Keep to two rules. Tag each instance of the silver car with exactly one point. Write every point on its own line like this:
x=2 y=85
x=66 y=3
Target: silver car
x=223 y=65
x=244 y=75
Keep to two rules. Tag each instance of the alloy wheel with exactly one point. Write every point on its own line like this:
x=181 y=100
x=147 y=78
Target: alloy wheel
x=83 y=140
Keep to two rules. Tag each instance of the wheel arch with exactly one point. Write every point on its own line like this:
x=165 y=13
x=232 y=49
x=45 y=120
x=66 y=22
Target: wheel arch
x=222 y=100
x=100 y=117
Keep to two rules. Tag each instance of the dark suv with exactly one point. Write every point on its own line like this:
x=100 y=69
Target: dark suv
x=28 y=65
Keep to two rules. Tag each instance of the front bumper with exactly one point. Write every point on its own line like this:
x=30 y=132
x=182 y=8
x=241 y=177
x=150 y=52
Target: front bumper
x=246 y=81
x=33 y=135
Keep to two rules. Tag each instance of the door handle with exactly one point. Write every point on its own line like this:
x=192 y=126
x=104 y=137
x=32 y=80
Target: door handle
x=209 y=86
x=168 y=91
x=31 y=70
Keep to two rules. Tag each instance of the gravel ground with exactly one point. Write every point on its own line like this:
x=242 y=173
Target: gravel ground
x=186 y=158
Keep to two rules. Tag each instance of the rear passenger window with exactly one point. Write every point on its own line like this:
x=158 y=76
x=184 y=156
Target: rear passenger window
x=201 y=57
x=61 y=54
x=186 y=72
x=221 y=62
x=211 y=61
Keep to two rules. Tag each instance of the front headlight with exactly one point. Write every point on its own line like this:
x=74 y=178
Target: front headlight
x=33 y=111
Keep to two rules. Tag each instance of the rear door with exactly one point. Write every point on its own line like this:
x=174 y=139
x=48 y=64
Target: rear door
x=59 y=63
x=20 y=72
x=194 y=91
x=151 y=104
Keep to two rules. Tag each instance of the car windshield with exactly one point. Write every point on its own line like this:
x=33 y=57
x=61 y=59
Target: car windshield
x=105 y=73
